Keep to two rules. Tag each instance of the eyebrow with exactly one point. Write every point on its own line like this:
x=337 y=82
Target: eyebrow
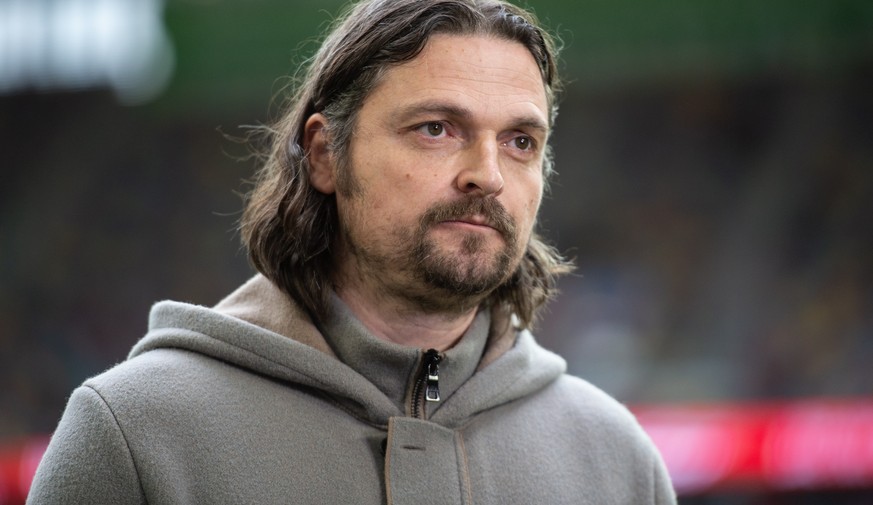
x=436 y=107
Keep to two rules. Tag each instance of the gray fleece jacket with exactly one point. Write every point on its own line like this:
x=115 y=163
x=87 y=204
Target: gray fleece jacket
x=249 y=402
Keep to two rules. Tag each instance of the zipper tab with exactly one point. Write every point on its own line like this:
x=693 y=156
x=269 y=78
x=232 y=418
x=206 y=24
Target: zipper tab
x=426 y=388
x=432 y=360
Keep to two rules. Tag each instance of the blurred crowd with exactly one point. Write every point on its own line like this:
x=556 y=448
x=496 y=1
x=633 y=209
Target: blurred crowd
x=723 y=234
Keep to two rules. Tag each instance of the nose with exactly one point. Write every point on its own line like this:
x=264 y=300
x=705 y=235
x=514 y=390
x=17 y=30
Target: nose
x=481 y=171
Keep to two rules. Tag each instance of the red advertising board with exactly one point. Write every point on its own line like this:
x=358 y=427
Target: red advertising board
x=775 y=446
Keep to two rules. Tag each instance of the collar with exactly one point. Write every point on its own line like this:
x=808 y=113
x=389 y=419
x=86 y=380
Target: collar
x=388 y=366
x=396 y=368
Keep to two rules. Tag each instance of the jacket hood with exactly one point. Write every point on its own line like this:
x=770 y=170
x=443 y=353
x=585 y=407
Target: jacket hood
x=261 y=329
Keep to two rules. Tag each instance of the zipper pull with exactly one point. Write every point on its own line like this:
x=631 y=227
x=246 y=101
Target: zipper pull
x=432 y=360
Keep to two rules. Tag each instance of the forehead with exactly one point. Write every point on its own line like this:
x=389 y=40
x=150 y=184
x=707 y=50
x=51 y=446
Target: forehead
x=479 y=73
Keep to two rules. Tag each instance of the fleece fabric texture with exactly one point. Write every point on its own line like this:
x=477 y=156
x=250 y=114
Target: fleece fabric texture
x=250 y=402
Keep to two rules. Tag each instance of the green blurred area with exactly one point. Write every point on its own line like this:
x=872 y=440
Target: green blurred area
x=230 y=55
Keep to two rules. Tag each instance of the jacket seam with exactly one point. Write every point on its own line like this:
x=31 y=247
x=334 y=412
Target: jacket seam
x=123 y=437
x=465 y=469
x=389 y=499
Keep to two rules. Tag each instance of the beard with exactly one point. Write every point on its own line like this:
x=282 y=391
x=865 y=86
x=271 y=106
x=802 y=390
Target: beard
x=473 y=270
x=434 y=278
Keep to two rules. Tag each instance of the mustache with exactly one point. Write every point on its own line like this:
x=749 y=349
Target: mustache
x=495 y=214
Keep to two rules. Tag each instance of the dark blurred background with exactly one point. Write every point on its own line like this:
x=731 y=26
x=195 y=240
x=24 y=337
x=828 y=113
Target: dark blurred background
x=715 y=188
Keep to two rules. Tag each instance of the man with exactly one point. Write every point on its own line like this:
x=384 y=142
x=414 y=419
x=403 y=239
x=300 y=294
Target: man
x=382 y=355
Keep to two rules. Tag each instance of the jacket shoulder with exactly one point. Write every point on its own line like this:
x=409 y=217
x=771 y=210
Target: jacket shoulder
x=88 y=459
x=612 y=433
x=580 y=398
x=172 y=378
x=586 y=441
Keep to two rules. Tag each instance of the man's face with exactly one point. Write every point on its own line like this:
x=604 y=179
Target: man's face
x=446 y=174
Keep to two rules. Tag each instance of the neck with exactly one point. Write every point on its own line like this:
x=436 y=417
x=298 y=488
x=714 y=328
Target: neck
x=401 y=322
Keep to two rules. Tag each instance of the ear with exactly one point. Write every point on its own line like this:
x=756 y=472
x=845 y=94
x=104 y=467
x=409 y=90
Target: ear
x=322 y=168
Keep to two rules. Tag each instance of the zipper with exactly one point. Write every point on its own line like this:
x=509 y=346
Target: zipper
x=427 y=384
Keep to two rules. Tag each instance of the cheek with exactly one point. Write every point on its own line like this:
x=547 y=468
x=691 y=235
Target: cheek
x=393 y=208
x=527 y=217
x=533 y=196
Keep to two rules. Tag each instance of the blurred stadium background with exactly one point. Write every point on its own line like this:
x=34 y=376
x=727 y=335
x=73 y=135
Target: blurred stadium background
x=715 y=187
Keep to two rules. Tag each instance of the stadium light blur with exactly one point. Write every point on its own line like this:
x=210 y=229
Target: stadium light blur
x=62 y=45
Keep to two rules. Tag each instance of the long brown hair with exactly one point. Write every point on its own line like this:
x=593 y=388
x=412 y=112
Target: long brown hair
x=289 y=227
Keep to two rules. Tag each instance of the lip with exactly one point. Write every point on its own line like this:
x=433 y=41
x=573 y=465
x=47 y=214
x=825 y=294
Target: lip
x=475 y=222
